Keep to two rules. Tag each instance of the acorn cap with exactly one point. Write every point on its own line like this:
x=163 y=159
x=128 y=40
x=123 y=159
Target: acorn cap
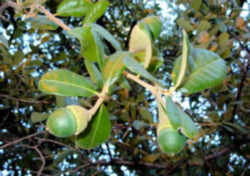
x=81 y=116
x=62 y=123
x=171 y=141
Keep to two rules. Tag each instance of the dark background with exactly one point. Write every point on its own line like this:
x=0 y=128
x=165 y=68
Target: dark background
x=223 y=113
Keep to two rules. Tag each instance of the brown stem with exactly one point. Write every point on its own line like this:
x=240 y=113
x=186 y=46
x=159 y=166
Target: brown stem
x=39 y=172
x=99 y=102
x=20 y=140
x=23 y=100
x=142 y=83
x=51 y=17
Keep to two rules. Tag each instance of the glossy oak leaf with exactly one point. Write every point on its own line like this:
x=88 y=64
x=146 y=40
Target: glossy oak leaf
x=179 y=74
x=76 y=8
x=154 y=24
x=113 y=67
x=97 y=132
x=66 y=83
x=91 y=46
x=209 y=70
x=96 y=12
x=202 y=69
x=94 y=73
x=141 y=32
x=103 y=33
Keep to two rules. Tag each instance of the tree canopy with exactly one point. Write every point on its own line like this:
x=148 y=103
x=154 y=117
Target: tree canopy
x=57 y=57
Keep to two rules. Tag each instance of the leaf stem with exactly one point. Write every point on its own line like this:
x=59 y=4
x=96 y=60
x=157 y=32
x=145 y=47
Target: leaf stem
x=101 y=99
x=151 y=88
x=155 y=90
x=51 y=17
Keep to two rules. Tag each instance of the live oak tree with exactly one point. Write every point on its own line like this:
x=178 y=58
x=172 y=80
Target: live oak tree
x=112 y=70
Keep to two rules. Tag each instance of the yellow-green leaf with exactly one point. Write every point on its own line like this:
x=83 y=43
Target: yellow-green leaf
x=113 y=67
x=180 y=74
x=66 y=83
x=208 y=71
x=140 y=40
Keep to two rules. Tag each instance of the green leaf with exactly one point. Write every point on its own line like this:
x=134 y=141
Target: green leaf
x=66 y=83
x=140 y=40
x=113 y=67
x=103 y=33
x=42 y=23
x=188 y=128
x=223 y=39
x=203 y=26
x=146 y=115
x=196 y=4
x=156 y=63
x=154 y=24
x=185 y=24
x=94 y=73
x=97 y=131
x=179 y=119
x=178 y=76
x=208 y=70
x=91 y=45
x=172 y=113
x=125 y=84
x=38 y=117
x=96 y=12
x=76 y=8
x=137 y=68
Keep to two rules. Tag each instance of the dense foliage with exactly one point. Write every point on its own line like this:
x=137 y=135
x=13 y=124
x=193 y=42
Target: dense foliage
x=32 y=46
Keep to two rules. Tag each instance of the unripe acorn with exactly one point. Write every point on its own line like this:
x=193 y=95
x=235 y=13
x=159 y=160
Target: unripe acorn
x=171 y=141
x=65 y=122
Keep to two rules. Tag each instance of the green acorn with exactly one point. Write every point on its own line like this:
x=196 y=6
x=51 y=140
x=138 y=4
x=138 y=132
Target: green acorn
x=171 y=141
x=69 y=121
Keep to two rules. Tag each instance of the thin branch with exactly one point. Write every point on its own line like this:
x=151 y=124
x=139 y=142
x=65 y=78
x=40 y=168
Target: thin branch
x=39 y=172
x=155 y=90
x=23 y=100
x=119 y=162
x=20 y=140
x=139 y=81
x=217 y=154
x=109 y=152
x=51 y=17
x=42 y=140
x=99 y=102
x=241 y=85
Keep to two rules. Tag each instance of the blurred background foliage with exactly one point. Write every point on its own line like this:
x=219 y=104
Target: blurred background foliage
x=28 y=49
